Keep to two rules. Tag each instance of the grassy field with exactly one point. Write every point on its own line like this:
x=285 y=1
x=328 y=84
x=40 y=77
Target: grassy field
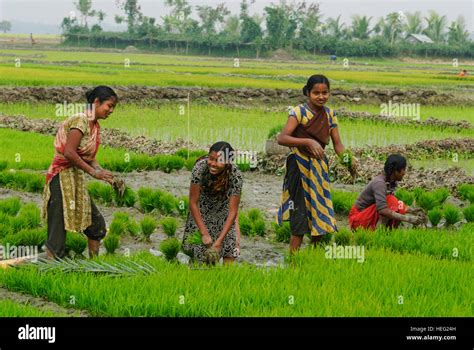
x=48 y=68
x=11 y=308
x=244 y=129
x=25 y=150
x=385 y=284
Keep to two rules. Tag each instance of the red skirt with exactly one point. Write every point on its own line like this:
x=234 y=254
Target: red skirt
x=368 y=217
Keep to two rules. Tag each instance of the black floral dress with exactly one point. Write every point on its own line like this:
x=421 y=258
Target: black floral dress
x=214 y=211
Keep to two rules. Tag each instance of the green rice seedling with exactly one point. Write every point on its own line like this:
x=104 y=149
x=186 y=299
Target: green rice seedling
x=5 y=227
x=417 y=192
x=111 y=243
x=363 y=237
x=128 y=199
x=28 y=217
x=427 y=201
x=189 y=163
x=435 y=215
x=452 y=214
x=170 y=247
x=170 y=163
x=169 y=225
x=3 y=165
x=440 y=195
x=255 y=214
x=76 y=242
x=122 y=224
x=146 y=199
x=466 y=191
x=282 y=233
x=346 y=159
x=259 y=227
x=405 y=196
x=183 y=153
x=343 y=237
x=167 y=203
x=118 y=227
x=35 y=183
x=27 y=238
x=243 y=165
x=469 y=213
x=182 y=206
x=148 y=226
x=343 y=201
x=274 y=131
x=134 y=228
x=106 y=194
x=101 y=192
x=93 y=188
x=10 y=206
x=195 y=238
x=326 y=239
x=245 y=224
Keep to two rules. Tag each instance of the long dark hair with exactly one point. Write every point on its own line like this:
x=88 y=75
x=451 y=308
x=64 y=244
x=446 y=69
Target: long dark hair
x=103 y=93
x=219 y=185
x=313 y=80
x=394 y=162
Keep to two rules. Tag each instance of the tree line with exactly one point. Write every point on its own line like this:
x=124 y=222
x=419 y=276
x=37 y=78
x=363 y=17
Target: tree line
x=286 y=26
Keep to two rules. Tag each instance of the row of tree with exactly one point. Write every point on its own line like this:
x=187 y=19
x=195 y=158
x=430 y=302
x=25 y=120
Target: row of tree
x=282 y=26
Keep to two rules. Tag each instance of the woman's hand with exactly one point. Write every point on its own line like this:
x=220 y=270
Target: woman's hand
x=104 y=175
x=217 y=245
x=206 y=239
x=354 y=168
x=315 y=148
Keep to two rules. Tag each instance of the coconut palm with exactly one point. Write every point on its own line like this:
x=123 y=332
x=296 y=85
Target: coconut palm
x=457 y=32
x=361 y=27
x=436 y=27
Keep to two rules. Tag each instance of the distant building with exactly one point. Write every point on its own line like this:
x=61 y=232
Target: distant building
x=419 y=39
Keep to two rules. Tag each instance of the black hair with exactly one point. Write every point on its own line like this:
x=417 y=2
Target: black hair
x=394 y=162
x=313 y=80
x=219 y=186
x=103 y=93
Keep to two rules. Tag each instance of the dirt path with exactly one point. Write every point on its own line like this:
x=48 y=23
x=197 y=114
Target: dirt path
x=40 y=303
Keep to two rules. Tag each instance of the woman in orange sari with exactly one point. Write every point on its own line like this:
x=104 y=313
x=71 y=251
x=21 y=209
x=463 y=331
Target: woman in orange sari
x=66 y=203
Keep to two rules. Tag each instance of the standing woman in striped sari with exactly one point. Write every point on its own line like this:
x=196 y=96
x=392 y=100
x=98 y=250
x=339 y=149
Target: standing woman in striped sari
x=306 y=200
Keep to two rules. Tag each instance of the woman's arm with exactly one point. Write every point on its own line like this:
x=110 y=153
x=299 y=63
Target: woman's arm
x=231 y=218
x=95 y=165
x=285 y=139
x=194 y=193
x=388 y=213
x=70 y=153
x=336 y=141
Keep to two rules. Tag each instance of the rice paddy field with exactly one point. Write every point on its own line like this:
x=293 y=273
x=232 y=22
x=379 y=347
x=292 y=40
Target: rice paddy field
x=406 y=272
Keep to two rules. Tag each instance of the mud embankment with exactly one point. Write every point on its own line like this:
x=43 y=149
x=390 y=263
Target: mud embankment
x=232 y=96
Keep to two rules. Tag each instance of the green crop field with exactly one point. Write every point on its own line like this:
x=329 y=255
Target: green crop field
x=385 y=284
x=405 y=272
x=46 y=68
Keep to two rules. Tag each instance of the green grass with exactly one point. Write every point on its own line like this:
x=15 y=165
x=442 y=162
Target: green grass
x=244 y=129
x=11 y=308
x=318 y=286
x=27 y=150
x=93 y=68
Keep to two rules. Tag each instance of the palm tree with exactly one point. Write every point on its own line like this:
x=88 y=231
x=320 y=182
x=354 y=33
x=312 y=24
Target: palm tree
x=436 y=27
x=457 y=32
x=389 y=27
x=334 y=27
x=413 y=24
x=360 y=27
